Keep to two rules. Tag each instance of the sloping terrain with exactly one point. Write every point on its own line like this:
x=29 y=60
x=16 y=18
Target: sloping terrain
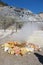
x=10 y=15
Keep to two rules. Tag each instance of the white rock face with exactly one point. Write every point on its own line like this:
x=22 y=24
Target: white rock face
x=18 y=13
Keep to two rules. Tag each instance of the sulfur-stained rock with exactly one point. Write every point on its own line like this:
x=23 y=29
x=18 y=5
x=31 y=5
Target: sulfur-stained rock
x=20 y=48
x=24 y=50
x=16 y=50
x=33 y=46
x=11 y=51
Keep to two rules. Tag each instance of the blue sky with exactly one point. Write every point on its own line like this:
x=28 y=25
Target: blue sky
x=35 y=6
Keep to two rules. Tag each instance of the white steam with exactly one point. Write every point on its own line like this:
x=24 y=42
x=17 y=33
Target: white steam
x=27 y=31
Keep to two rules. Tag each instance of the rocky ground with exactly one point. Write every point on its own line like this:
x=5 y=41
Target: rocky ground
x=28 y=59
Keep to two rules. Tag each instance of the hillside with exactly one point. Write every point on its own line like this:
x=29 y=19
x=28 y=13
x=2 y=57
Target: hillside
x=10 y=15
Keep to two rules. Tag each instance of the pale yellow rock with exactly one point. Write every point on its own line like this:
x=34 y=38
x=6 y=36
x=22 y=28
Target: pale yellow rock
x=11 y=51
x=24 y=50
x=5 y=45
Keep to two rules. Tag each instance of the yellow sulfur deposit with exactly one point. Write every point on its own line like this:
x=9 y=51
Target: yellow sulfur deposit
x=19 y=48
x=11 y=51
x=24 y=50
